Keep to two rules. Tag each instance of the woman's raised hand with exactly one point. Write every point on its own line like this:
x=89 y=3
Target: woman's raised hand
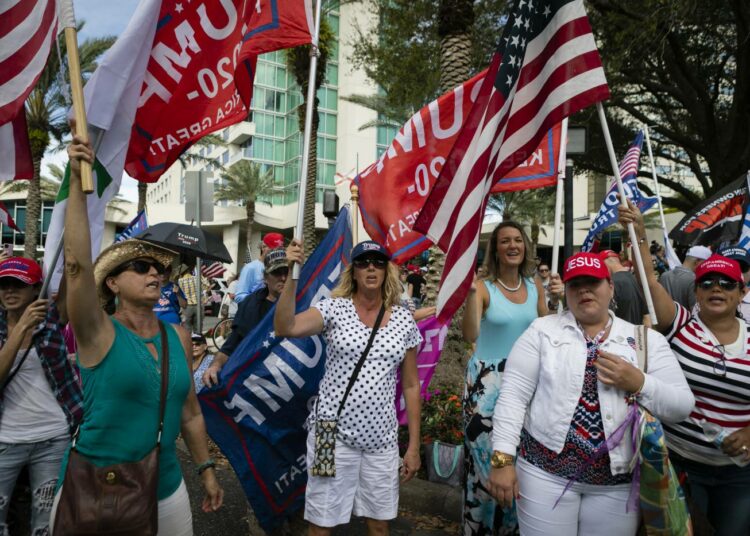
x=631 y=214
x=79 y=150
x=556 y=287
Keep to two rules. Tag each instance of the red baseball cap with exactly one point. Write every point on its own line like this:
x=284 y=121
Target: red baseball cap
x=274 y=240
x=585 y=264
x=22 y=269
x=607 y=253
x=718 y=264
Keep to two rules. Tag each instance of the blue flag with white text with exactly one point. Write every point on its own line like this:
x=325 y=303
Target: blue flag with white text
x=609 y=212
x=134 y=228
x=257 y=414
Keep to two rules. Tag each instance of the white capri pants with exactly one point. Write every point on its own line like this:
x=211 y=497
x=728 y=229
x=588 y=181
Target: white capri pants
x=584 y=510
x=365 y=485
x=175 y=517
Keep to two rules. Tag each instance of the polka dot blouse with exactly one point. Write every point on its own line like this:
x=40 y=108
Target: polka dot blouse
x=368 y=420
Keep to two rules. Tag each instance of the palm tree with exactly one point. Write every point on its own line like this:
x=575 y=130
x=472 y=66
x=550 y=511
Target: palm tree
x=298 y=63
x=244 y=182
x=46 y=110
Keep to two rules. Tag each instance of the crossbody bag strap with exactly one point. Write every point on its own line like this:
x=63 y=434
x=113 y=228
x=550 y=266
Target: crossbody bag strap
x=164 y=379
x=361 y=361
x=20 y=364
x=641 y=347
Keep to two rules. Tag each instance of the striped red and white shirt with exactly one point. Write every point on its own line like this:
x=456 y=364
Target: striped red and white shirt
x=724 y=400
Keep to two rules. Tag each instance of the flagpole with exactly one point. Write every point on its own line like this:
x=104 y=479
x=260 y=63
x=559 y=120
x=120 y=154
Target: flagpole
x=559 y=195
x=68 y=22
x=631 y=227
x=50 y=270
x=308 y=132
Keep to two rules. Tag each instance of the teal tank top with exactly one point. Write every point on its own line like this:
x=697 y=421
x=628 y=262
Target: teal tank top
x=504 y=321
x=121 y=405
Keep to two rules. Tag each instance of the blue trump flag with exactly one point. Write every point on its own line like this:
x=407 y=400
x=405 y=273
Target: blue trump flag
x=257 y=413
x=609 y=212
x=134 y=228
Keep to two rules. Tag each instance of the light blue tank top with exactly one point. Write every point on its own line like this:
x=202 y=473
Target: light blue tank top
x=503 y=322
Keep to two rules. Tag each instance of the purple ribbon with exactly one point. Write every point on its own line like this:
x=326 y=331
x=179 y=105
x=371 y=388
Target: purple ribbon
x=633 y=419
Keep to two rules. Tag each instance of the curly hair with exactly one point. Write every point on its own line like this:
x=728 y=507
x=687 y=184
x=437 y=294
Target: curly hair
x=491 y=263
x=391 y=288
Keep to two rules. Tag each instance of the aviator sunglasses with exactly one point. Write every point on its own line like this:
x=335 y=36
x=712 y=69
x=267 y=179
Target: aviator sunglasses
x=377 y=262
x=709 y=283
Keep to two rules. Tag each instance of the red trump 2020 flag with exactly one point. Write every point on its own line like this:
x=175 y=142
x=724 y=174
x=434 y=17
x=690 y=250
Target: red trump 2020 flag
x=545 y=68
x=199 y=77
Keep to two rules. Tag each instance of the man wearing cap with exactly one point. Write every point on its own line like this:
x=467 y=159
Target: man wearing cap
x=680 y=282
x=629 y=303
x=252 y=310
x=251 y=276
x=40 y=400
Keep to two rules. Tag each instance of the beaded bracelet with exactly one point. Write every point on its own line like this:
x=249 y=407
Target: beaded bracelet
x=208 y=464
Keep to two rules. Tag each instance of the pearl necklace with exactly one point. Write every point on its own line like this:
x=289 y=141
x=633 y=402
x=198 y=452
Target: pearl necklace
x=509 y=289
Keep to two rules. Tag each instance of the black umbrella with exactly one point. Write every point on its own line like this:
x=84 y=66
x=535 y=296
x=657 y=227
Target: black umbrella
x=188 y=240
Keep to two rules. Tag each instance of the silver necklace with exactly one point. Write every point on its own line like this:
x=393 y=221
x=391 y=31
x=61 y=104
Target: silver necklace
x=509 y=289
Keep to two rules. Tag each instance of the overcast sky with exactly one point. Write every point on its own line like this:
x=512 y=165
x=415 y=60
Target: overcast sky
x=103 y=18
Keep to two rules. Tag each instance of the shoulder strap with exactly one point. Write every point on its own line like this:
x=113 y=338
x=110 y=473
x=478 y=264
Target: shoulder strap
x=361 y=361
x=20 y=364
x=641 y=347
x=164 y=379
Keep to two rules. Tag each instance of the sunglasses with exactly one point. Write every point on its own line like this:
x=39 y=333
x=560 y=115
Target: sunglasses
x=377 y=262
x=141 y=267
x=12 y=283
x=720 y=366
x=725 y=284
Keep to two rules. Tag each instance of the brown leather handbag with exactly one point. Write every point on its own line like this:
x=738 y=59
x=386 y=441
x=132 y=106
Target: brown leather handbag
x=118 y=500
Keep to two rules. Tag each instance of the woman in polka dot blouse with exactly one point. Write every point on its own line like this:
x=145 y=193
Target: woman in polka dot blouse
x=366 y=452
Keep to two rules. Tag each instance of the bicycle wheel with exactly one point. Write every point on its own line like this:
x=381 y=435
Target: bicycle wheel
x=221 y=332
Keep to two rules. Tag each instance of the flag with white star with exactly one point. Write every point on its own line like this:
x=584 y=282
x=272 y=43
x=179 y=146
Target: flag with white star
x=546 y=67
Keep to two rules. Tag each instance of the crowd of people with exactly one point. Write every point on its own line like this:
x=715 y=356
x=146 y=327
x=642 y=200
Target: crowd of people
x=101 y=380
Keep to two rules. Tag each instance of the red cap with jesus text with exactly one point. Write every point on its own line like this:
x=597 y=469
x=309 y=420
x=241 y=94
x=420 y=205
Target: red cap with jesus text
x=585 y=264
x=717 y=264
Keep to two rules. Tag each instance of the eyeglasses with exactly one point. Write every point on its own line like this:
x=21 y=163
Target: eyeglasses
x=199 y=343
x=543 y=270
x=720 y=366
x=725 y=284
x=141 y=266
x=12 y=283
x=377 y=262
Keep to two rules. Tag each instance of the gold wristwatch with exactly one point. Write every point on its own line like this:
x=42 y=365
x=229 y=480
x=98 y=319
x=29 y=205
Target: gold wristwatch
x=500 y=459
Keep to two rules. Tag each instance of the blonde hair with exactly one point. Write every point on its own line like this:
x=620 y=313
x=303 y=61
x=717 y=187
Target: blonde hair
x=491 y=263
x=391 y=288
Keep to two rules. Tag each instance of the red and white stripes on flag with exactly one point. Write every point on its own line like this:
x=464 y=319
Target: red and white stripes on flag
x=547 y=67
x=215 y=269
x=15 y=151
x=6 y=218
x=27 y=33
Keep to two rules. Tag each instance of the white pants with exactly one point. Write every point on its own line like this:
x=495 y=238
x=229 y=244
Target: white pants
x=584 y=510
x=365 y=484
x=175 y=517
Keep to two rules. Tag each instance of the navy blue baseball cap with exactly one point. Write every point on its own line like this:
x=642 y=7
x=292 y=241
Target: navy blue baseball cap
x=369 y=246
x=738 y=254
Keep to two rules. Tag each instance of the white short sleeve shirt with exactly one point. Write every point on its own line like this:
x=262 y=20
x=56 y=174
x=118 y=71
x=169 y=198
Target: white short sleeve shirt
x=368 y=419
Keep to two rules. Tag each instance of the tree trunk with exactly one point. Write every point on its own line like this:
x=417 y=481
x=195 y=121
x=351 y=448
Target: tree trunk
x=33 y=211
x=142 y=191
x=455 y=51
x=534 y=238
x=308 y=221
x=249 y=220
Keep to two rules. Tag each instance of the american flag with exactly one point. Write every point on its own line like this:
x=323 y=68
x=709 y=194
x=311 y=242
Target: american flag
x=6 y=218
x=546 y=67
x=27 y=32
x=215 y=269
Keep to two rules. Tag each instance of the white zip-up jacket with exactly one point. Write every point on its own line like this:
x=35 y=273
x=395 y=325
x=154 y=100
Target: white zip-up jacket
x=543 y=380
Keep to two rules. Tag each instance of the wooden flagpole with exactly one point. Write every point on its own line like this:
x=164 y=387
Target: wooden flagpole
x=631 y=227
x=68 y=22
x=298 y=230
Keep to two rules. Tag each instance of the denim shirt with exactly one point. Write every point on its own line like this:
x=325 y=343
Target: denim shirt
x=49 y=344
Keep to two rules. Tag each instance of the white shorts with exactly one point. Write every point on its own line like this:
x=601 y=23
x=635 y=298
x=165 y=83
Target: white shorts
x=365 y=485
x=175 y=517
